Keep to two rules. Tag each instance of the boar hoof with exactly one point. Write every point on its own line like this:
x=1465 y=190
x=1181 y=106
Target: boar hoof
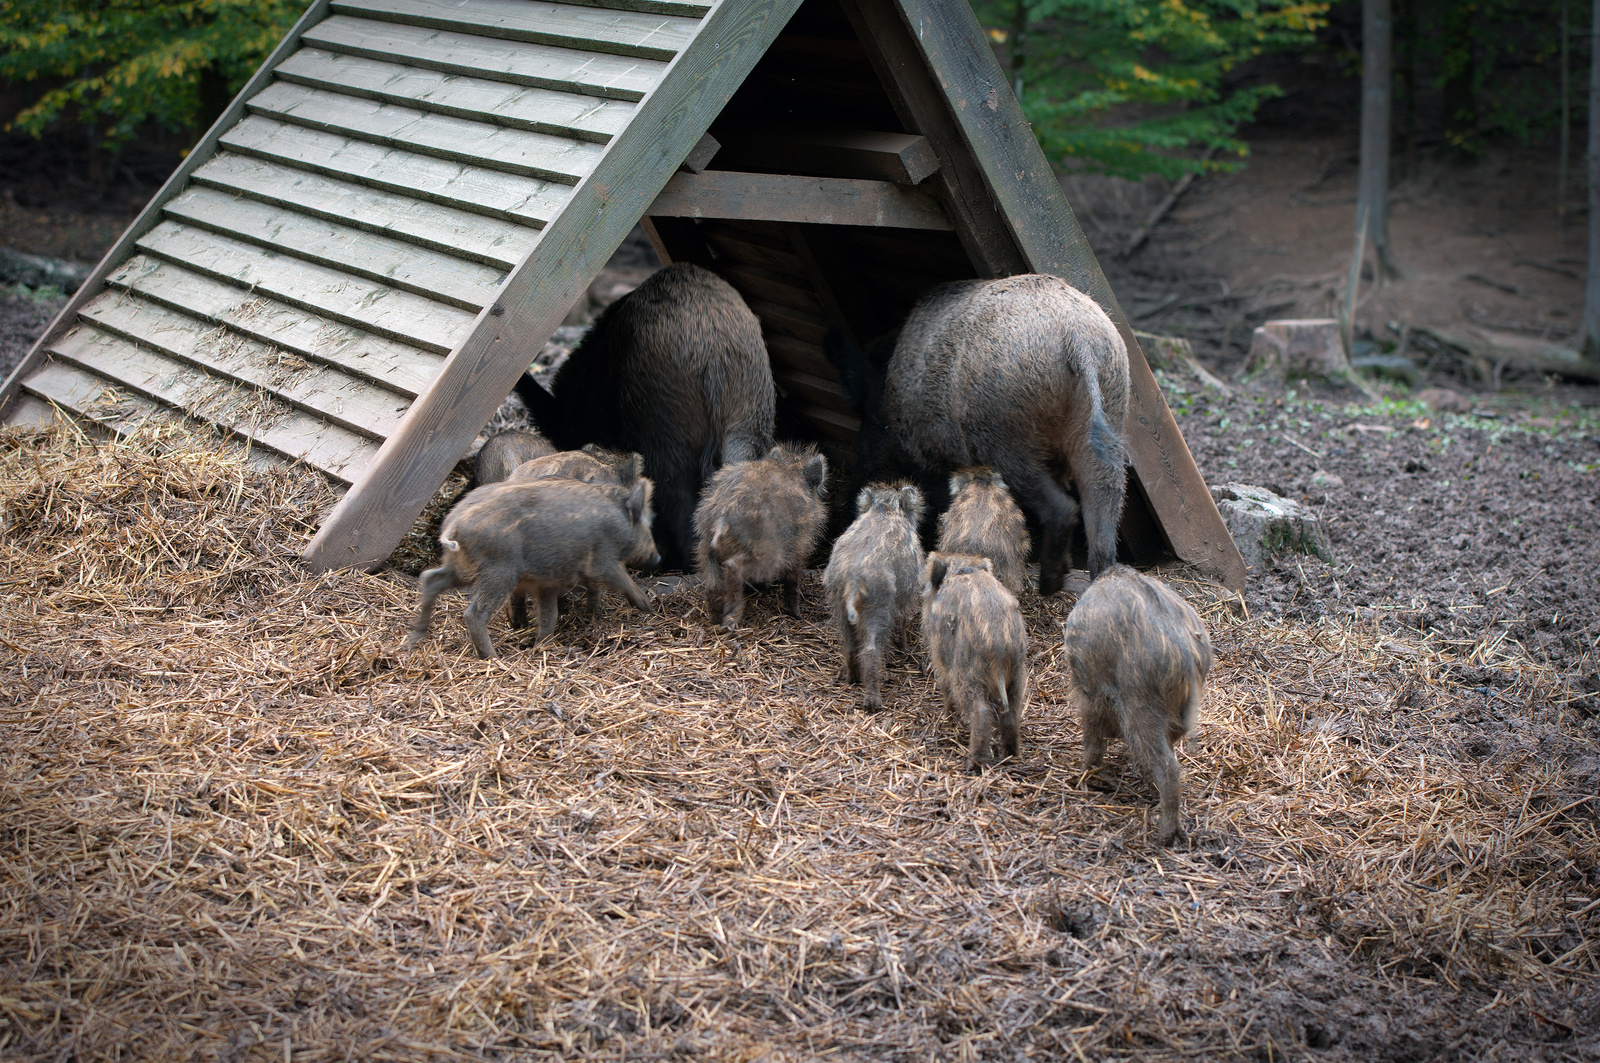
x=872 y=703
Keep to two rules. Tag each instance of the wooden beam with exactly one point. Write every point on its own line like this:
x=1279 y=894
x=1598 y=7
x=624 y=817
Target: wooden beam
x=903 y=158
x=150 y=216
x=1034 y=211
x=364 y=528
x=820 y=200
x=700 y=156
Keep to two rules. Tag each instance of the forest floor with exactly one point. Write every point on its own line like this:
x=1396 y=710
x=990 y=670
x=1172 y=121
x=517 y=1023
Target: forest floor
x=248 y=827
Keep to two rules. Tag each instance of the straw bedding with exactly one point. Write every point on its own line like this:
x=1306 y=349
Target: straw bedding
x=238 y=824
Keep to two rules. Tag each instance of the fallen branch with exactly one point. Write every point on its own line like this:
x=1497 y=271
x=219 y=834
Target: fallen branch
x=1142 y=233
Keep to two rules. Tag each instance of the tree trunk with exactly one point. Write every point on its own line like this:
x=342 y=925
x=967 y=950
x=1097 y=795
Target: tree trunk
x=1591 y=295
x=1372 y=202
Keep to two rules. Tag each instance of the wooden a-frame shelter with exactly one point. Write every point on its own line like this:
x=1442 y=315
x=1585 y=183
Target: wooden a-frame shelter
x=362 y=255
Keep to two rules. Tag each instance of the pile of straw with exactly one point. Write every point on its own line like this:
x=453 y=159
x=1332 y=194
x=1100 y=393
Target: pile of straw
x=239 y=824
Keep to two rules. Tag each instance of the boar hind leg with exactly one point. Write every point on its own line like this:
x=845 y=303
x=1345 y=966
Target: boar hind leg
x=490 y=595
x=434 y=582
x=980 y=722
x=727 y=603
x=1012 y=695
x=1101 y=485
x=1056 y=511
x=1156 y=758
x=1099 y=722
x=519 y=610
x=871 y=662
x=851 y=671
x=549 y=613
x=791 y=591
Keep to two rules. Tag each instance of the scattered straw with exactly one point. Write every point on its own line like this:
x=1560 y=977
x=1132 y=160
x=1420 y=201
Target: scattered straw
x=239 y=824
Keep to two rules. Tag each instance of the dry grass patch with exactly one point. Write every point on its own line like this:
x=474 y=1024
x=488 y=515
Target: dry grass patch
x=238 y=824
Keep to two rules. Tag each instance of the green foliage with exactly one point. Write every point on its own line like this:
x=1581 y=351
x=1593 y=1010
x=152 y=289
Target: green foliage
x=123 y=62
x=1121 y=86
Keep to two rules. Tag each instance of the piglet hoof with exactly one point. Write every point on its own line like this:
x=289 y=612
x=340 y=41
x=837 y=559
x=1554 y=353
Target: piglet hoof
x=413 y=639
x=872 y=703
x=1167 y=839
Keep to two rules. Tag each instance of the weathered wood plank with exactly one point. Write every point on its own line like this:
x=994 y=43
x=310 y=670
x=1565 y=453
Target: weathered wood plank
x=734 y=247
x=150 y=216
x=808 y=357
x=831 y=423
x=609 y=77
x=604 y=207
x=495 y=147
x=900 y=158
x=395 y=365
x=779 y=197
x=354 y=404
x=687 y=8
x=755 y=282
x=814 y=389
x=630 y=33
x=1034 y=212
x=565 y=114
x=780 y=320
x=491 y=241
x=337 y=451
x=93 y=398
x=402 y=265
x=512 y=197
x=364 y=304
x=30 y=411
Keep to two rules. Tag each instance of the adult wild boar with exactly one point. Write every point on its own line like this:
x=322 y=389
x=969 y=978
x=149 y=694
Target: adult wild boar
x=979 y=648
x=759 y=521
x=540 y=536
x=1024 y=374
x=1139 y=655
x=676 y=370
x=871 y=582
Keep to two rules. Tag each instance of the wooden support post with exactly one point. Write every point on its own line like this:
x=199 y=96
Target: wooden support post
x=903 y=158
x=776 y=197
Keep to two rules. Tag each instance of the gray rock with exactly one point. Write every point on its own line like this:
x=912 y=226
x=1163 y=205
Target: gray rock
x=1265 y=525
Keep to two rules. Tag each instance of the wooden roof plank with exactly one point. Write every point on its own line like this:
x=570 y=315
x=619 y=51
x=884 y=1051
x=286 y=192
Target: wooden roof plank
x=316 y=388
x=397 y=263
x=519 y=106
x=30 y=411
x=783 y=198
x=375 y=514
x=397 y=366
x=564 y=69
x=450 y=230
x=686 y=8
x=630 y=33
x=293 y=433
x=496 y=147
x=364 y=304
x=512 y=197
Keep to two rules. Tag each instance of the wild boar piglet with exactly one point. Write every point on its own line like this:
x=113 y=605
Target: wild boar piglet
x=504 y=452
x=539 y=537
x=872 y=582
x=1139 y=656
x=984 y=520
x=979 y=650
x=758 y=521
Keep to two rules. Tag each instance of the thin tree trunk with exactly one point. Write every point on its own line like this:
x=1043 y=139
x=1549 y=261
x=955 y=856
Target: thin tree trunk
x=1591 y=295
x=1372 y=202
x=1566 y=122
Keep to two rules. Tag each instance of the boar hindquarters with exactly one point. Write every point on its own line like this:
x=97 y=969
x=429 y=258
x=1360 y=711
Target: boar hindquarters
x=540 y=537
x=1139 y=657
x=979 y=648
x=759 y=521
x=871 y=582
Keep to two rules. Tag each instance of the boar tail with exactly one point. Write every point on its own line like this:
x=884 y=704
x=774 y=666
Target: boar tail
x=1197 y=692
x=1105 y=442
x=854 y=595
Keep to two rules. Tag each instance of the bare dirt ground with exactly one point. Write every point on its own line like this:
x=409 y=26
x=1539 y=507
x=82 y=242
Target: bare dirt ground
x=243 y=827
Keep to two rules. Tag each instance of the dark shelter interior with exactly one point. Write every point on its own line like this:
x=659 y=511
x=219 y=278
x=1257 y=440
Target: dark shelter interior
x=822 y=103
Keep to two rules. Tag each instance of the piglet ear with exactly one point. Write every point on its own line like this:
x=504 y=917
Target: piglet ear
x=816 y=472
x=863 y=500
x=986 y=565
x=958 y=480
x=631 y=469
x=933 y=576
x=911 y=502
x=638 y=500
